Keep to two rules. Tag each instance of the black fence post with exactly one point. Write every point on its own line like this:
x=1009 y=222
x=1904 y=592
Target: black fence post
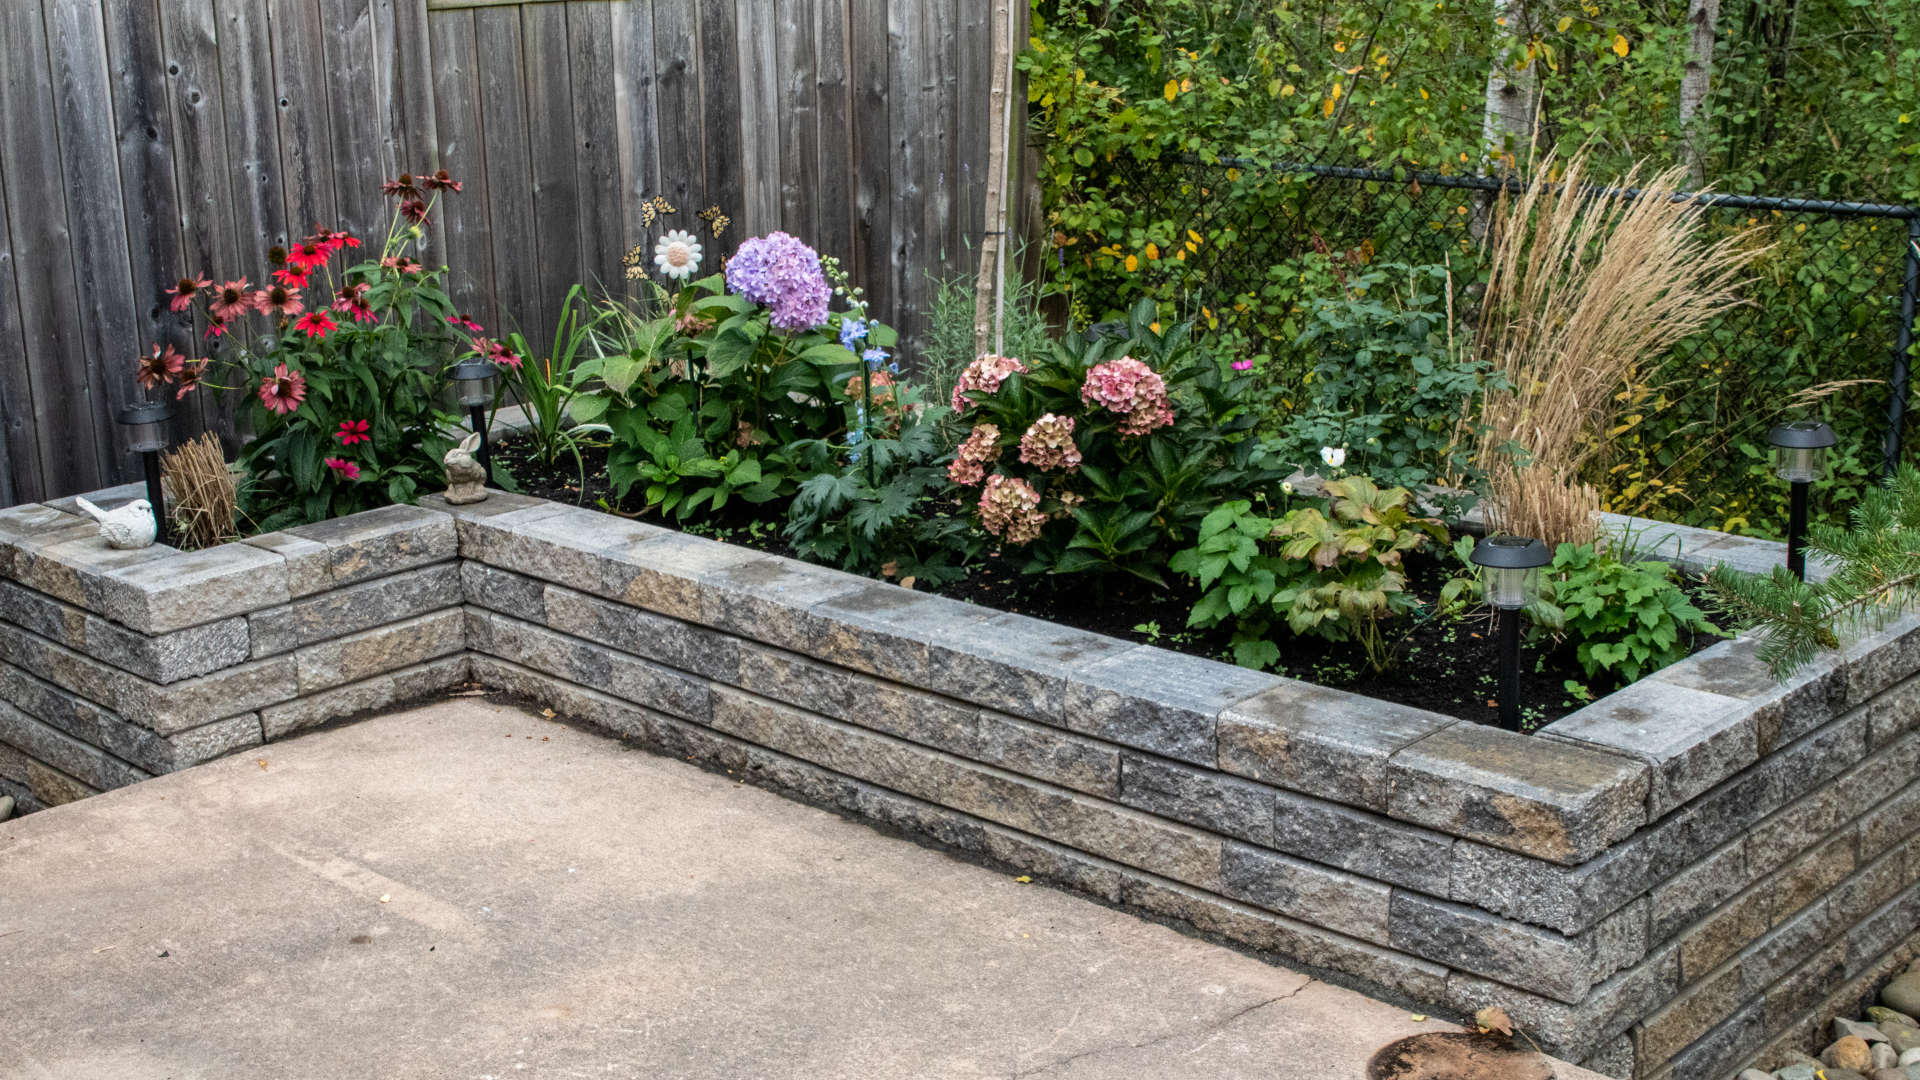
x=1902 y=347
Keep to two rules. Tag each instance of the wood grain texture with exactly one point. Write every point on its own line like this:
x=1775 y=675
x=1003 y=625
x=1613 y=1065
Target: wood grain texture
x=596 y=137
x=90 y=172
x=171 y=136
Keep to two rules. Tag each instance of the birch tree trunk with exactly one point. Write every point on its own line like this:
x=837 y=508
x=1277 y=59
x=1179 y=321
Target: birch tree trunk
x=991 y=280
x=1702 y=17
x=1513 y=94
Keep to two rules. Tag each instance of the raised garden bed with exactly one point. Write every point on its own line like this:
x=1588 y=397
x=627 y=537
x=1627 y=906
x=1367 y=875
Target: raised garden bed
x=1690 y=874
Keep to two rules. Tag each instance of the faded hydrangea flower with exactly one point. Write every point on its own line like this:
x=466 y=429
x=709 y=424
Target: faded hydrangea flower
x=779 y=272
x=1048 y=444
x=986 y=373
x=1010 y=509
x=1132 y=389
x=980 y=449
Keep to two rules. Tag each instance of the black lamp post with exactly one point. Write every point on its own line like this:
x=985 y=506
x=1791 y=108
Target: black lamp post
x=146 y=424
x=473 y=381
x=1510 y=571
x=1799 y=458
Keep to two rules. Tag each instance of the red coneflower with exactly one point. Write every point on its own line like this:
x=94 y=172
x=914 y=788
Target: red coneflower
x=400 y=264
x=352 y=431
x=305 y=257
x=231 y=301
x=316 y=324
x=498 y=352
x=353 y=301
x=279 y=298
x=440 y=181
x=184 y=292
x=343 y=468
x=402 y=187
x=190 y=379
x=216 y=328
x=331 y=240
x=466 y=322
x=414 y=210
x=283 y=391
x=161 y=365
x=290 y=277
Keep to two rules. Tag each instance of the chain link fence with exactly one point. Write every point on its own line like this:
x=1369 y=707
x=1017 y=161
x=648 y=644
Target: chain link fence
x=1829 y=308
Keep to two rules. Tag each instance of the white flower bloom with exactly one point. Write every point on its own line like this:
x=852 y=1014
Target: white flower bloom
x=1286 y=486
x=677 y=255
x=1333 y=456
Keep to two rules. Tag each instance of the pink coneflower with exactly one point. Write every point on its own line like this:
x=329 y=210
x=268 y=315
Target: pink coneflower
x=283 y=391
x=466 y=322
x=440 y=181
x=353 y=301
x=352 y=431
x=184 y=292
x=231 y=301
x=414 y=210
x=291 y=278
x=316 y=324
x=280 y=299
x=400 y=264
x=401 y=187
x=161 y=365
x=499 y=353
x=216 y=328
x=304 y=258
x=190 y=379
x=344 y=469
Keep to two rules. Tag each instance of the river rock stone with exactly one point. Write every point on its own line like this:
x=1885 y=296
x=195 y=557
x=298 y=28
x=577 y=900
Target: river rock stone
x=1902 y=1037
x=1842 y=1027
x=1799 y=1071
x=1887 y=1074
x=1903 y=993
x=1756 y=1074
x=1910 y=1057
x=1880 y=1014
x=1848 y=1052
x=1884 y=1056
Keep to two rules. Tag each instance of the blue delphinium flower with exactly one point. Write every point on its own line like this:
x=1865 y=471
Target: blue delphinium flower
x=852 y=333
x=874 y=357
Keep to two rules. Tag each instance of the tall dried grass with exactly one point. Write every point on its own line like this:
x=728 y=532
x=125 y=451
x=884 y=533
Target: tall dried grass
x=1583 y=293
x=203 y=498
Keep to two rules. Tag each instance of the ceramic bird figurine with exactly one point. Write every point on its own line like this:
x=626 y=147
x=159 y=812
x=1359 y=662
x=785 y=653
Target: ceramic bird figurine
x=130 y=526
x=466 y=478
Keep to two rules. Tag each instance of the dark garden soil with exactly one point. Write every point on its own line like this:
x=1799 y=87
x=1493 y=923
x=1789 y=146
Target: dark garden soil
x=1447 y=665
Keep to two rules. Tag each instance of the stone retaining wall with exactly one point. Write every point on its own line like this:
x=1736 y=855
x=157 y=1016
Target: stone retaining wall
x=1671 y=882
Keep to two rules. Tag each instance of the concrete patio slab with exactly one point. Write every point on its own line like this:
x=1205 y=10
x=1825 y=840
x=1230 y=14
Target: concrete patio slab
x=472 y=890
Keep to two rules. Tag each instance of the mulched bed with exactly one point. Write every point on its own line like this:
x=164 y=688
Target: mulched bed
x=1447 y=665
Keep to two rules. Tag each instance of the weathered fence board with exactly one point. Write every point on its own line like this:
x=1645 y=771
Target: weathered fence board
x=144 y=140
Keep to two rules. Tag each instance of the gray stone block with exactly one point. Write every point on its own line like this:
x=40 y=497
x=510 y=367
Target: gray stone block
x=1553 y=800
x=1203 y=797
x=1159 y=701
x=89 y=764
x=1573 y=1031
x=504 y=591
x=209 y=741
x=1013 y=664
x=1615 y=1059
x=1893 y=713
x=771 y=600
x=1725 y=931
x=169 y=710
x=1700 y=1007
x=75 y=565
x=1367 y=844
x=1890 y=924
x=1785 y=947
x=381 y=692
x=376 y=543
x=1297 y=735
x=643 y=633
x=1569 y=899
x=1470 y=939
x=1886 y=825
x=1783 y=710
x=354 y=608
x=1678 y=902
x=567 y=700
x=193 y=588
x=1878 y=661
x=1718 y=1054
x=28 y=525
x=664 y=573
x=1044 y=752
x=381 y=649
x=1874 y=884
x=163 y=658
x=1693 y=739
x=886 y=630
x=309 y=562
x=1308 y=892
x=598 y=668
x=1802 y=989
x=1807 y=879
x=1057 y=864
x=1795 y=828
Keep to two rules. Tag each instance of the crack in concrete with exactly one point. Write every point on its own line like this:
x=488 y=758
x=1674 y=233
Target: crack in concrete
x=1214 y=1026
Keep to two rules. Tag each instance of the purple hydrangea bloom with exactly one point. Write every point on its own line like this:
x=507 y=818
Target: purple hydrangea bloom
x=779 y=272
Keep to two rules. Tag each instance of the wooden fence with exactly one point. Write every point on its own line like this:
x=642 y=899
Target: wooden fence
x=143 y=139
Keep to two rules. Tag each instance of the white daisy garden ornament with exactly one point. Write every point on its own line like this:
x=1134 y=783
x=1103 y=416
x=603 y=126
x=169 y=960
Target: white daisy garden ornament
x=677 y=255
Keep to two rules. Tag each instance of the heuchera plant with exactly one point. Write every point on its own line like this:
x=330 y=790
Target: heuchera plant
x=342 y=366
x=1104 y=456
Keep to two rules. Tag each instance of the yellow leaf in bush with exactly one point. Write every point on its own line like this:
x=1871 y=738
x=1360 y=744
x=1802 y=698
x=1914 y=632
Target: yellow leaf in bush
x=1173 y=89
x=1133 y=263
x=1565 y=21
x=1153 y=252
x=1620 y=45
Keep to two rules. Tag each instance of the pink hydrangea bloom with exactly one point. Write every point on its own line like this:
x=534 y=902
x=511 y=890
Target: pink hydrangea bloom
x=1048 y=444
x=986 y=373
x=1010 y=509
x=970 y=463
x=1133 y=390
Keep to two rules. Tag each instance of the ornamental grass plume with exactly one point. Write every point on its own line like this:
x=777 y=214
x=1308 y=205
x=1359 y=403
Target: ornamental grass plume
x=1010 y=509
x=1582 y=290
